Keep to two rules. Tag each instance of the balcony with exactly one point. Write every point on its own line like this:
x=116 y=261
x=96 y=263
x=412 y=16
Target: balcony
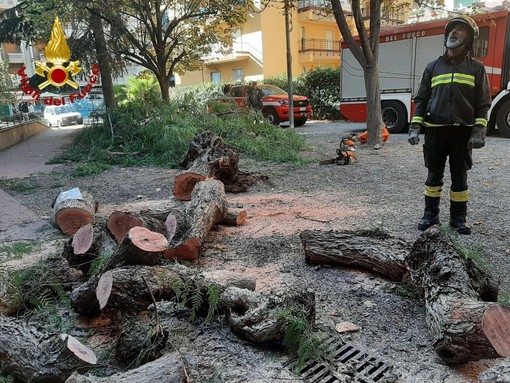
x=317 y=50
x=16 y=58
x=240 y=51
x=318 y=11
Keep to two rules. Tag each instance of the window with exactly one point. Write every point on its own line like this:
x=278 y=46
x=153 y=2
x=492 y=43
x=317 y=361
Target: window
x=237 y=75
x=481 y=43
x=216 y=77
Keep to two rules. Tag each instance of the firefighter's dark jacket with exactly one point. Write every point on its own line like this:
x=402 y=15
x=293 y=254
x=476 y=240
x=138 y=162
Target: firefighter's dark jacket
x=453 y=94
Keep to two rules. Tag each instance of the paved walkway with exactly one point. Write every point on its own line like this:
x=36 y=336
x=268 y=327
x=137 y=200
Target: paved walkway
x=22 y=160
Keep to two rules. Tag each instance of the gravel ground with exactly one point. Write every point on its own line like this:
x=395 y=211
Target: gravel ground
x=383 y=190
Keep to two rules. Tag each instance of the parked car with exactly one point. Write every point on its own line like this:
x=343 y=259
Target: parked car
x=61 y=115
x=272 y=101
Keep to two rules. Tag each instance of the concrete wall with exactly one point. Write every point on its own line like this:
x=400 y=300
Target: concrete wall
x=12 y=135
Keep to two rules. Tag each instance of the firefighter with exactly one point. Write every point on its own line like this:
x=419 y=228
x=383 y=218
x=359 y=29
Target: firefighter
x=452 y=104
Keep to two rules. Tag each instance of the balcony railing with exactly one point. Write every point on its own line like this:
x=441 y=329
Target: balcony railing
x=16 y=58
x=319 y=46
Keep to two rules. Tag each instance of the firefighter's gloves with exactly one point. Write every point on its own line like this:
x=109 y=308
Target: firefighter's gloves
x=477 y=139
x=414 y=131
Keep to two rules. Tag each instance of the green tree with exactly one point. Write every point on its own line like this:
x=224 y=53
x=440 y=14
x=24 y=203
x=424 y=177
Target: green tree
x=170 y=36
x=6 y=95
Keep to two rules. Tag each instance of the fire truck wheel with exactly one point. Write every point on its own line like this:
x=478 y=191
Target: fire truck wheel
x=272 y=117
x=394 y=116
x=503 y=119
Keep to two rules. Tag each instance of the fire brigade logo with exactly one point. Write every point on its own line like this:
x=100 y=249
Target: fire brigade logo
x=57 y=53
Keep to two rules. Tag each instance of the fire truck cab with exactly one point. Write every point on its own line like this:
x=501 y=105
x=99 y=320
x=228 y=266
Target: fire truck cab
x=405 y=51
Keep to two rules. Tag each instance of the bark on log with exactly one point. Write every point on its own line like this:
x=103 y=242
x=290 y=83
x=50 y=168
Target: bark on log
x=168 y=368
x=119 y=223
x=73 y=209
x=454 y=311
x=87 y=245
x=139 y=342
x=234 y=217
x=207 y=207
x=374 y=251
x=129 y=293
x=31 y=356
x=255 y=317
x=139 y=247
x=207 y=157
x=52 y=271
x=499 y=373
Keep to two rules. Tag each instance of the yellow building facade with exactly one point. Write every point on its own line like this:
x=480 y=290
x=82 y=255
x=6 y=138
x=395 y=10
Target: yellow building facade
x=260 y=48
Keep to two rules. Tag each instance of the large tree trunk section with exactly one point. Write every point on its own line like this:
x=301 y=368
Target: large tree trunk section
x=207 y=157
x=31 y=356
x=208 y=206
x=119 y=223
x=73 y=209
x=129 y=292
x=374 y=251
x=139 y=247
x=255 y=317
x=168 y=368
x=454 y=311
x=87 y=245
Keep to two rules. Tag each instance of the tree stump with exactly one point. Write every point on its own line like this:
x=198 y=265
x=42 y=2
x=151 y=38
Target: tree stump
x=207 y=207
x=31 y=356
x=374 y=251
x=464 y=328
x=255 y=317
x=73 y=209
x=207 y=157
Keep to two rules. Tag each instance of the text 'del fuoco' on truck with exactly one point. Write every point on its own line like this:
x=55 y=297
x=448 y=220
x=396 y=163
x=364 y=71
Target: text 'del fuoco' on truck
x=405 y=51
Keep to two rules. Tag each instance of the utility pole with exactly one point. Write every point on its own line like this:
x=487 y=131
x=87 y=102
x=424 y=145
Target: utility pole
x=287 y=5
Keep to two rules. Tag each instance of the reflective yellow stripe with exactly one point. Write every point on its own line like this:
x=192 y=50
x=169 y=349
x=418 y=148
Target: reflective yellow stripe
x=481 y=121
x=461 y=196
x=417 y=120
x=433 y=191
x=448 y=78
x=427 y=124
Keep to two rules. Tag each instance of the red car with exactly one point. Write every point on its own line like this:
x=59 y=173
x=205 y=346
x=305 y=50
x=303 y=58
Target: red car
x=272 y=101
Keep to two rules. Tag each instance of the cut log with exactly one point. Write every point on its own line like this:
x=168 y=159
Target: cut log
x=73 y=209
x=129 y=293
x=87 y=245
x=31 y=356
x=234 y=217
x=139 y=247
x=139 y=342
x=168 y=368
x=207 y=207
x=257 y=317
x=45 y=274
x=454 y=311
x=207 y=157
x=119 y=223
x=374 y=251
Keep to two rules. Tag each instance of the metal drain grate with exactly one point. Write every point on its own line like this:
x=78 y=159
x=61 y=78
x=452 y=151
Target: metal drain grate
x=347 y=359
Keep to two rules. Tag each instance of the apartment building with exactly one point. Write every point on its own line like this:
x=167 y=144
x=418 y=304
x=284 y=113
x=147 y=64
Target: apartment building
x=260 y=48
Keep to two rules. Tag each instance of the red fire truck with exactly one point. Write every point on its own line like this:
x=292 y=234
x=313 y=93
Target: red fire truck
x=404 y=52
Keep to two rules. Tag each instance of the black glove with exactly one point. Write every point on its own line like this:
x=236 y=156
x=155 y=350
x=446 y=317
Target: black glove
x=477 y=139
x=414 y=131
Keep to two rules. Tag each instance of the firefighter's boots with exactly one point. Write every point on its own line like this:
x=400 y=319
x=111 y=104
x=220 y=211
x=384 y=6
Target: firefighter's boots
x=458 y=212
x=431 y=214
